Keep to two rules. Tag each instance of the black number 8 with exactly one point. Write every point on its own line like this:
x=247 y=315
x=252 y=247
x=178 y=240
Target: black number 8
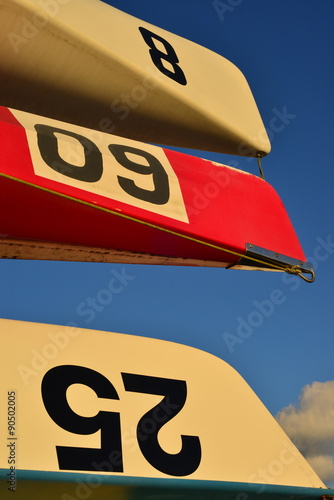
x=158 y=56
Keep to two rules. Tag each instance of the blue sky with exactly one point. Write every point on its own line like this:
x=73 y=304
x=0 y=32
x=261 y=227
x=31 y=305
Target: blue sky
x=284 y=49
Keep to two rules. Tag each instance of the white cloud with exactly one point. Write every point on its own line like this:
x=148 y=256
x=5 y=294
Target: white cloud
x=324 y=467
x=310 y=425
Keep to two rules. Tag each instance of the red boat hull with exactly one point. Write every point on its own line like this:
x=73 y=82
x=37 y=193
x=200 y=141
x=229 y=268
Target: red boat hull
x=210 y=212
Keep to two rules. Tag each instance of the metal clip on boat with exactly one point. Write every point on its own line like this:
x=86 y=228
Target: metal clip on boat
x=258 y=257
x=301 y=270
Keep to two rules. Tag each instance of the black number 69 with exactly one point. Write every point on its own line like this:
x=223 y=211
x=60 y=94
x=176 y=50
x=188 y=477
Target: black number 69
x=92 y=169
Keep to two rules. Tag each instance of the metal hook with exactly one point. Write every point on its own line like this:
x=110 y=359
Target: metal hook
x=299 y=272
x=259 y=156
x=308 y=280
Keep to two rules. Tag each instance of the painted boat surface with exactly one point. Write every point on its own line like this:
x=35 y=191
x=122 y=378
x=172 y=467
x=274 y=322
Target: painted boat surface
x=69 y=486
x=88 y=194
x=85 y=62
x=85 y=421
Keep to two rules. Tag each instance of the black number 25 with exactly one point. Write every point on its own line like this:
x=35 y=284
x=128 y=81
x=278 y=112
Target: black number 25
x=109 y=456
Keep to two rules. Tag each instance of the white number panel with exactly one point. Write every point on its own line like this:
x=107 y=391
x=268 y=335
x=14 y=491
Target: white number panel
x=118 y=168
